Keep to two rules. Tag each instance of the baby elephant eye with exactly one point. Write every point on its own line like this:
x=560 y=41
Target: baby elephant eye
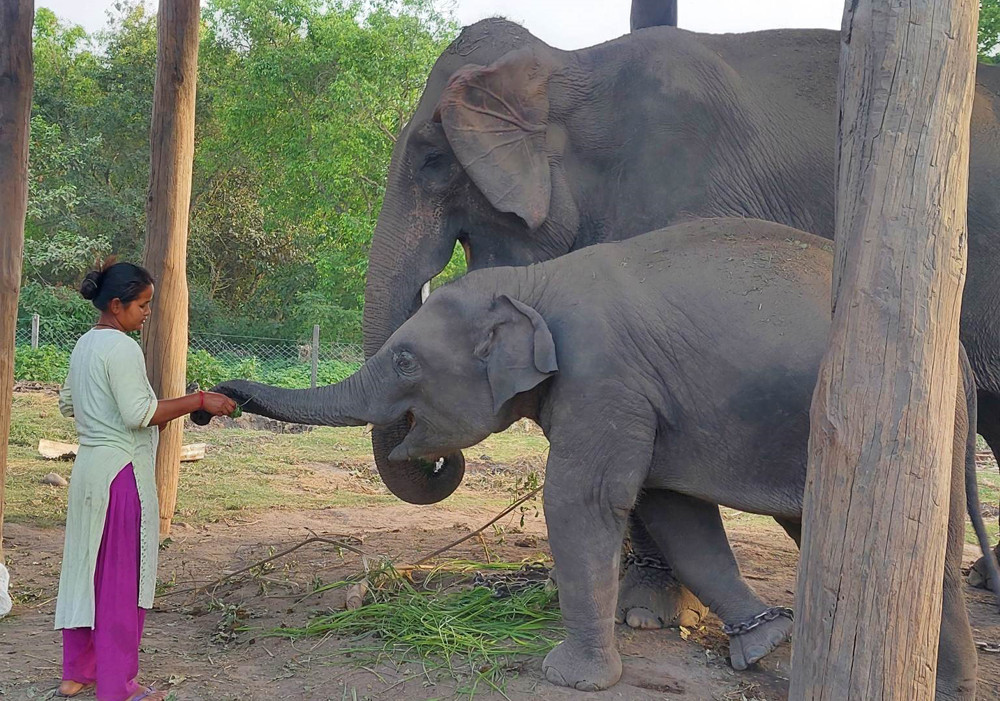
x=405 y=362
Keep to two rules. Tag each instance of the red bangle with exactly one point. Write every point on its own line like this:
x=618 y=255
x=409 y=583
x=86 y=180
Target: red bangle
x=201 y=399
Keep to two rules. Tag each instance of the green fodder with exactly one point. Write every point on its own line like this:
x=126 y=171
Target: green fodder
x=466 y=630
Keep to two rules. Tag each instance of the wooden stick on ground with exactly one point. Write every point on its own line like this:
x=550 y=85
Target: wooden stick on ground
x=476 y=532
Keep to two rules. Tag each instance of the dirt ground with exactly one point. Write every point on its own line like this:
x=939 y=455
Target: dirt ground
x=191 y=644
x=189 y=641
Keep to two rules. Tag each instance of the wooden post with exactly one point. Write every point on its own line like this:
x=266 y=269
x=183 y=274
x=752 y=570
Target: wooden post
x=877 y=490
x=315 y=355
x=16 y=80
x=35 y=321
x=172 y=153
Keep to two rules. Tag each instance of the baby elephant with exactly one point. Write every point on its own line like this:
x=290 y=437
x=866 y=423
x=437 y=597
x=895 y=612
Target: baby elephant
x=679 y=365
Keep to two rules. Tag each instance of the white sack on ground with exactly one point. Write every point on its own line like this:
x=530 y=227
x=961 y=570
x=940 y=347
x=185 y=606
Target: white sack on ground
x=5 y=602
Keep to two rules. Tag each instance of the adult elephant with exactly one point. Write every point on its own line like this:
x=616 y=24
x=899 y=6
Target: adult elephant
x=521 y=153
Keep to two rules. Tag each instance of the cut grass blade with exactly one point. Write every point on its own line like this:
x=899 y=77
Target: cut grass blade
x=466 y=629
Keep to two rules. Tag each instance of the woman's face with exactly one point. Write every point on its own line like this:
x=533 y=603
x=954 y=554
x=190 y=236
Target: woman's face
x=132 y=315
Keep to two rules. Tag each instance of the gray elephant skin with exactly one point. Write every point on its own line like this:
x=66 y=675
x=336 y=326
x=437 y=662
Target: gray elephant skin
x=671 y=373
x=523 y=153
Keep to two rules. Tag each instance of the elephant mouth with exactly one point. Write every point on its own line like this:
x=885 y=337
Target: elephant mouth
x=412 y=445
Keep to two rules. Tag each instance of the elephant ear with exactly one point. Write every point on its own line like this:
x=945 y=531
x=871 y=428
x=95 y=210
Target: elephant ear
x=495 y=118
x=518 y=350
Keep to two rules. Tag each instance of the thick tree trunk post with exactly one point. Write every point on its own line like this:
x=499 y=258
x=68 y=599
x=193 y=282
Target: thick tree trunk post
x=16 y=80
x=876 y=497
x=172 y=156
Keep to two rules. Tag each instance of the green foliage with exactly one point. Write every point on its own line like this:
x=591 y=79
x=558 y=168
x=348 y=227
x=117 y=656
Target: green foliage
x=989 y=30
x=299 y=102
x=208 y=370
x=204 y=369
x=64 y=311
x=42 y=364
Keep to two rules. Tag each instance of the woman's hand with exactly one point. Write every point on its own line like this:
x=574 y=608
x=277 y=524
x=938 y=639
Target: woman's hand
x=217 y=404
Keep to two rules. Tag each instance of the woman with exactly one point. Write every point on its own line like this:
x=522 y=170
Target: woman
x=112 y=523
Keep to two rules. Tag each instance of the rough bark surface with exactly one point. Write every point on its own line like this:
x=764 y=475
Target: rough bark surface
x=16 y=79
x=172 y=153
x=876 y=498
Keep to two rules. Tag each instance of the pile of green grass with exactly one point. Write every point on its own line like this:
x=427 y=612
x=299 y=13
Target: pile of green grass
x=466 y=630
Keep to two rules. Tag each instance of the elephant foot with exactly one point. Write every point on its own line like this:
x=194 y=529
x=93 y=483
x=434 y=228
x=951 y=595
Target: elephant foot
x=650 y=597
x=979 y=576
x=754 y=639
x=582 y=668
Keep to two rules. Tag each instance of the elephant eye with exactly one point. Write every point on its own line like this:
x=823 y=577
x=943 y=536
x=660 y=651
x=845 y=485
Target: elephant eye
x=432 y=160
x=406 y=364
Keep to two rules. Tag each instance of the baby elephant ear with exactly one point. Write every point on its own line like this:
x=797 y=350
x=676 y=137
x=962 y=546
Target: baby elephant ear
x=519 y=351
x=495 y=119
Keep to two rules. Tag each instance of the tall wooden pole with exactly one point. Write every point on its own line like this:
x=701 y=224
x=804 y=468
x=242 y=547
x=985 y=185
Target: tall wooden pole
x=16 y=80
x=172 y=156
x=877 y=492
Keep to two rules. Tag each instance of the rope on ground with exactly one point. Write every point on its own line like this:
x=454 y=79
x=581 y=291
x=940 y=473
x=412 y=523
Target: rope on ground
x=365 y=556
x=476 y=532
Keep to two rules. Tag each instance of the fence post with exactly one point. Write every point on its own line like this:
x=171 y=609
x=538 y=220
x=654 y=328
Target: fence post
x=315 y=355
x=34 y=331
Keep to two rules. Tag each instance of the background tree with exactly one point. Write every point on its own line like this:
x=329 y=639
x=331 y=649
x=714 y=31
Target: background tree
x=882 y=419
x=989 y=30
x=298 y=105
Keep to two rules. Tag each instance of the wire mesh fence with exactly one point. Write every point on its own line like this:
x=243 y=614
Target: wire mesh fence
x=43 y=355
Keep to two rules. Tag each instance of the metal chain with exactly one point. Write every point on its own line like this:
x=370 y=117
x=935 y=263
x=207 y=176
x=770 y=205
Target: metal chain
x=767 y=616
x=652 y=563
x=504 y=584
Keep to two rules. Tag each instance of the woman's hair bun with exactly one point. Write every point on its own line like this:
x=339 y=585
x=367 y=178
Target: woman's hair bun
x=91 y=285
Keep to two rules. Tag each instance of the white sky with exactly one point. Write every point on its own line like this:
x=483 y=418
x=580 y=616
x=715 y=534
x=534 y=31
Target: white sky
x=571 y=24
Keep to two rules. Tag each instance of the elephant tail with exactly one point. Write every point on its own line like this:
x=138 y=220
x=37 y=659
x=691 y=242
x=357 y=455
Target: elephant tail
x=971 y=487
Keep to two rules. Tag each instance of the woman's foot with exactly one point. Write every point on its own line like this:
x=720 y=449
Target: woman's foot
x=148 y=694
x=69 y=688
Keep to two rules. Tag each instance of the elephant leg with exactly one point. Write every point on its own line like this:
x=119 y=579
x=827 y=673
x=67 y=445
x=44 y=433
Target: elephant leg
x=588 y=496
x=957 y=655
x=989 y=428
x=691 y=534
x=649 y=596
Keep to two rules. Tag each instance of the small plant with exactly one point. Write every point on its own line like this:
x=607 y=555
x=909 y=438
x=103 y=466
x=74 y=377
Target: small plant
x=233 y=618
x=42 y=364
x=204 y=369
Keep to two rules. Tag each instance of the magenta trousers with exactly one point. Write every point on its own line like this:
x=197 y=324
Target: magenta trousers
x=108 y=655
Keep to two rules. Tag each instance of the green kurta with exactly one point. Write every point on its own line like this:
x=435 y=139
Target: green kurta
x=108 y=394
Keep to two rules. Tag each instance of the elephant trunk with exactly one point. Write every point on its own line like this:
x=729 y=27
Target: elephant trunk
x=342 y=404
x=408 y=249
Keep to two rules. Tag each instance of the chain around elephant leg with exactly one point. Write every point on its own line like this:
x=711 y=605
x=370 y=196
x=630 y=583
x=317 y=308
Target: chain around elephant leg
x=649 y=596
